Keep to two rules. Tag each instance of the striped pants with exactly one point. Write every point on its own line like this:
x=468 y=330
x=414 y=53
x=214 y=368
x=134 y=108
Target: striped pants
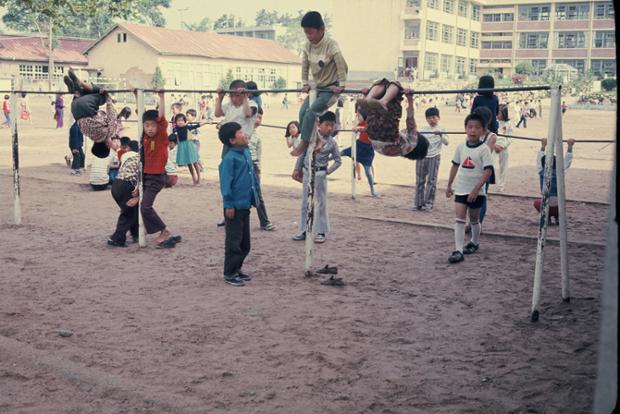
x=426 y=181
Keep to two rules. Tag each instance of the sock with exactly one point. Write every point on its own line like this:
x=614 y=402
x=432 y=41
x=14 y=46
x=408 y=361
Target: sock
x=475 y=233
x=459 y=235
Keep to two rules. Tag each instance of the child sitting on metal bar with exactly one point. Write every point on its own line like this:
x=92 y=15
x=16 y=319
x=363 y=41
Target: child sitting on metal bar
x=97 y=125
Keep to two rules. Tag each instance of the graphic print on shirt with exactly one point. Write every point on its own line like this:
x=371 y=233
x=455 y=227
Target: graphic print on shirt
x=468 y=163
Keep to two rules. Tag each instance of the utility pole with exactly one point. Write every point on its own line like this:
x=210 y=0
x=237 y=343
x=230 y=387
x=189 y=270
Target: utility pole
x=50 y=62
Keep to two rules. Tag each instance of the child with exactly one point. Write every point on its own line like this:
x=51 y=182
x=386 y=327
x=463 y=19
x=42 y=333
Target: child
x=321 y=57
x=522 y=116
x=124 y=189
x=176 y=109
x=155 y=146
x=364 y=154
x=76 y=142
x=6 y=109
x=191 y=114
x=501 y=146
x=124 y=148
x=98 y=126
x=383 y=108
x=256 y=150
x=240 y=109
x=472 y=160
x=489 y=138
x=326 y=149
x=24 y=114
x=239 y=192
x=564 y=107
x=115 y=162
x=553 y=194
x=186 y=150
x=171 y=166
x=202 y=106
x=292 y=134
x=254 y=96
x=99 y=177
x=428 y=167
x=487 y=99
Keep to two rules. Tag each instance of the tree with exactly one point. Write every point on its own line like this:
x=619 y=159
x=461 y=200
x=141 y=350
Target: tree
x=227 y=80
x=266 y=18
x=158 y=80
x=524 y=68
x=279 y=83
x=226 y=21
x=204 y=25
x=609 y=84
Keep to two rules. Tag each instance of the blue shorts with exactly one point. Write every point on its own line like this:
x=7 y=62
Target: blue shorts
x=463 y=200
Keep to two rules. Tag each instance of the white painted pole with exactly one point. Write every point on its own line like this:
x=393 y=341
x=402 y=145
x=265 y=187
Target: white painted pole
x=17 y=210
x=354 y=162
x=544 y=208
x=559 y=167
x=140 y=107
x=310 y=192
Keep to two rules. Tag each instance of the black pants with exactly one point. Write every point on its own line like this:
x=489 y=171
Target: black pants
x=153 y=184
x=261 y=210
x=524 y=120
x=78 y=159
x=87 y=105
x=128 y=219
x=237 y=245
x=99 y=187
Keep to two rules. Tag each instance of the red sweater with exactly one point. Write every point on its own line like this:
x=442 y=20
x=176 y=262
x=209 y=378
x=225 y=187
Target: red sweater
x=156 y=149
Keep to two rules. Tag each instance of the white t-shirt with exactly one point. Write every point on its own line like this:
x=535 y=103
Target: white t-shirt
x=235 y=114
x=171 y=164
x=471 y=161
x=434 y=141
x=293 y=141
x=99 y=169
x=256 y=148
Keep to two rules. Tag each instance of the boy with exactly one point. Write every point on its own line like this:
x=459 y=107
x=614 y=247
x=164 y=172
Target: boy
x=239 y=192
x=155 y=146
x=427 y=168
x=190 y=115
x=171 y=166
x=472 y=160
x=123 y=190
x=326 y=149
x=115 y=163
x=6 y=109
x=322 y=58
x=256 y=149
x=76 y=142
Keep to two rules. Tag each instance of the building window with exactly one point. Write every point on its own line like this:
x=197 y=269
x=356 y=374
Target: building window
x=576 y=63
x=474 y=40
x=498 y=34
x=533 y=40
x=497 y=44
x=475 y=12
x=430 y=62
x=539 y=65
x=462 y=8
x=604 y=10
x=604 y=40
x=461 y=37
x=460 y=65
x=124 y=37
x=39 y=72
x=603 y=68
x=572 y=11
x=498 y=17
x=412 y=29
x=446 y=63
x=447 y=34
x=432 y=31
x=413 y=3
x=534 y=13
x=432 y=4
x=118 y=38
x=448 y=6
x=570 y=40
x=473 y=64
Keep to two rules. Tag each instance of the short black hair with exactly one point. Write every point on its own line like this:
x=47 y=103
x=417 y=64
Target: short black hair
x=237 y=83
x=124 y=113
x=486 y=82
x=431 y=112
x=228 y=131
x=180 y=116
x=125 y=141
x=133 y=145
x=150 y=115
x=503 y=109
x=172 y=137
x=191 y=112
x=100 y=150
x=328 y=116
x=252 y=86
x=259 y=110
x=485 y=113
x=474 y=117
x=313 y=19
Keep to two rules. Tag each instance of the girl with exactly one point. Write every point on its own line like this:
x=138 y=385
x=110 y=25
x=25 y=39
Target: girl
x=186 y=150
x=123 y=115
x=24 y=108
x=364 y=154
x=292 y=134
x=59 y=105
x=501 y=146
x=487 y=99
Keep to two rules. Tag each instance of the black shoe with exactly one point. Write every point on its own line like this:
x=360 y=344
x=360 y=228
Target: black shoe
x=135 y=239
x=456 y=257
x=470 y=248
x=222 y=224
x=69 y=84
x=244 y=276
x=233 y=280
x=115 y=243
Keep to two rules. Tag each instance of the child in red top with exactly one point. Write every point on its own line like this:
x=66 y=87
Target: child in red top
x=364 y=152
x=6 y=109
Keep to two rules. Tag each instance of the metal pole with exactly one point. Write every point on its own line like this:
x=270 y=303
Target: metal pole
x=310 y=192
x=559 y=168
x=354 y=159
x=17 y=210
x=140 y=107
x=544 y=208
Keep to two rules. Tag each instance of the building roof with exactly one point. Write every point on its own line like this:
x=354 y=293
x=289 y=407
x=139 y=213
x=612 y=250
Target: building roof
x=174 y=42
x=28 y=47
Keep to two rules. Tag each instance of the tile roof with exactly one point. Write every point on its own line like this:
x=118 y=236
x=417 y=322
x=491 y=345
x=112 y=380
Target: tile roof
x=28 y=47
x=211 y=45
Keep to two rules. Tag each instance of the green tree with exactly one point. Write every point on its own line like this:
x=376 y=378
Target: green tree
x=279 y=83
x=158 y=80
x=227 y=21
x=204 y=25
x=609 y=84
x=227 y=80
x=266 y=18
x=524 y=68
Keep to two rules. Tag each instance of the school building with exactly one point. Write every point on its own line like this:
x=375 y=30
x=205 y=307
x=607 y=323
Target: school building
x=190 y=60
x=460 y=39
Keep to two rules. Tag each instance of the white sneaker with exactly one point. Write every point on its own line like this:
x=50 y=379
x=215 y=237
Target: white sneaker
x=300 y=236
x=320 y=238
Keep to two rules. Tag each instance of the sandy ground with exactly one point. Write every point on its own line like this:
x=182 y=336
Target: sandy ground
x=157 y=331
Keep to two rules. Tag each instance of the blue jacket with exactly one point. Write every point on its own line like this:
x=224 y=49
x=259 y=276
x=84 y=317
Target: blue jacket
x=76 y=138
x=238 y=179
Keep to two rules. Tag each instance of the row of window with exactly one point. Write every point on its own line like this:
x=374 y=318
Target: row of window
x=459 y=7
x=498 y=17
x=39 y=72
x=447 y=35
x=566 y=40
x=599 y=67
x=434 y=62
x=576 y=11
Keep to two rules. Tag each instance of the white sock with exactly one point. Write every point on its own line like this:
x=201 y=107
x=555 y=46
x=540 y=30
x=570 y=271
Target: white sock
x=459 y=235
x=475 y=233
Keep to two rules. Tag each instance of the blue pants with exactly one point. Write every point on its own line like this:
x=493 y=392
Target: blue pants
x=308 y=113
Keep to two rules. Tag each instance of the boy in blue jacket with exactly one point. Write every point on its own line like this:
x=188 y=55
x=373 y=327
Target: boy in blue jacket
x=239 y=192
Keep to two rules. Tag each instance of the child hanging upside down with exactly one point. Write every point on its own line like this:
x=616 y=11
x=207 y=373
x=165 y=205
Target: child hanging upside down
x=382 y=104
x=97 y=125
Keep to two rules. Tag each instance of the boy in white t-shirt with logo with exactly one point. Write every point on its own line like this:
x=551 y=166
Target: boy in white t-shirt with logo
x=474 y=164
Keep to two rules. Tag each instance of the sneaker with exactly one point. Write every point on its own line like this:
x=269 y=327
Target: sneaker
x=244 y=276
x=320 y=238
x=135 y=239
x=300 y=236
x=268 y=227
x=470 y=248
x=69 y=83
x=456 y=257
x=75 y=172
x=233 y=280
x=115 y=243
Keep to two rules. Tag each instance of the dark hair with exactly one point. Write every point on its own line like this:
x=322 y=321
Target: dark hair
x=180 y=116
x=133 y=145
x=288 y=134
x=100 y=150
x=253 y=86
x=237 y=83
x=6 y=96
x=172 y=137
x=474 y=117
x=150 y=115
x=313 y=20
x=503 y=109
x=124 y=113
x=228 y=131
x=23 y=94
x=485 y=113
x=259 y=110
x=191 y=112
x=125 y=141
x=328 y=116
x=485 y=82
x=431 y=112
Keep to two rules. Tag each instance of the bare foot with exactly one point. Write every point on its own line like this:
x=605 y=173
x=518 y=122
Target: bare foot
x=132 y=202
